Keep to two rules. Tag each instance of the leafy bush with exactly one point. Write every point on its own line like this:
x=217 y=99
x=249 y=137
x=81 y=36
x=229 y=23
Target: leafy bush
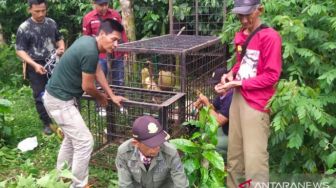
x=67 y=13
x=5 y=130
x=203 y=165
x=303 y=113
x=51 y=179
x=10 y=68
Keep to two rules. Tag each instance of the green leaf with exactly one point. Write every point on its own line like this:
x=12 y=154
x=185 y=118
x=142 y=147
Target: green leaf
x=191 y=165
x=334 y=141
x=208 y=147
x=203 y=117
x=215 y=159
x=44 y=181
x=296 y=137
x=3 y=184
x=195 y=135
x=185 y=145
x=331 y=159
x=66 y=174
x=330 y=171
x=5 y=105
x=204 y=175
x=26 y=181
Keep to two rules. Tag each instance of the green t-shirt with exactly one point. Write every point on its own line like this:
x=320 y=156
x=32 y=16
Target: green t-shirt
x=66 y=81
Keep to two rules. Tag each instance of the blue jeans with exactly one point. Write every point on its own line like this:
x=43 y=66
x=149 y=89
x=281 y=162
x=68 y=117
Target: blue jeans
x=103 y=64
x=117 y=70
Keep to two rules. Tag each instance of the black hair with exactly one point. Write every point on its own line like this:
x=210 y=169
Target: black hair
x=36 y=2
x=110 y=25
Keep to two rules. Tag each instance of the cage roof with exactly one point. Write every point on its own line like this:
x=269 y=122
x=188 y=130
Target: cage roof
x=169 y=44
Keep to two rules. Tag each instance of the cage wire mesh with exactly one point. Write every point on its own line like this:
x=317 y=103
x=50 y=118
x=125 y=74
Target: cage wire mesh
x=182 y=63
x=114 y=124
x=197 y=17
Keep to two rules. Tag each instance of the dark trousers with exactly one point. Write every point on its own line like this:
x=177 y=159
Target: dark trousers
x=38 y=83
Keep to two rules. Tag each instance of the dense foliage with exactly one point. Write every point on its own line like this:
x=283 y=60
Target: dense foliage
x=304 y=124
x=203 y=165
x=67 y=13
x=303 y=114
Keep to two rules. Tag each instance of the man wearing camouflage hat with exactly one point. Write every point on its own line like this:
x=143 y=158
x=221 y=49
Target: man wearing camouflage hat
x=148 y=160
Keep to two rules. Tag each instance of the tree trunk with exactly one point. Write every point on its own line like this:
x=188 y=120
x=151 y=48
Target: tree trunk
x=128 y=18
x=2 y=40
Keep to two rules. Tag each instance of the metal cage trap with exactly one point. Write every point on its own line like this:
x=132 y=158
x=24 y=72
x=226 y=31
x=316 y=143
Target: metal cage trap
x=173 y=63
x=114 y=124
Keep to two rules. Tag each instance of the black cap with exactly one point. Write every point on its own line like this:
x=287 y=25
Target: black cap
x=149 y=131
x=245 y=6
x=217 y=75
x=101 y=1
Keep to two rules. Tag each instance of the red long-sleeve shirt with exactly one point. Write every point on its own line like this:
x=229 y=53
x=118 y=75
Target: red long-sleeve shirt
x=91 y=25
x=260 y=68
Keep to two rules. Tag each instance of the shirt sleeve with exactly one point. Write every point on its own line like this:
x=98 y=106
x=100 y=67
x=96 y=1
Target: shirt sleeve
x=58 y=35
x=22 y=40
x=272 y=58
x=86 y=29
x=124 y=176
x=238 y=48
x=225 y=107
x=177 y=173
x=89 y=63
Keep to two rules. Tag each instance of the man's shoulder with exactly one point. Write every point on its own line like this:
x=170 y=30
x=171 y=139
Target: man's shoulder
x=125 y=147
x=90 y=15
x=112 y=11
x=168 y=149
x=269 y=33
x=49 y=20
x=25 y=24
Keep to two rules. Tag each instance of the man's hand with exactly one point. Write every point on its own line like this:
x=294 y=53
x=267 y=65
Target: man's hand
x=39 y=69
x=118 y=99
x=222 y=88
x=204 y=100
x=60 y=51
x=227 y=78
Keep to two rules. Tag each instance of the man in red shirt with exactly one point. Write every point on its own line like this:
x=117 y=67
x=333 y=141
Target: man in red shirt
x=253 y=78
x=91 y=24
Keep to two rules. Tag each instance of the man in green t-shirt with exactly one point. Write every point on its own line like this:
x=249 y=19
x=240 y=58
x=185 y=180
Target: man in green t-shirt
x=75 y=74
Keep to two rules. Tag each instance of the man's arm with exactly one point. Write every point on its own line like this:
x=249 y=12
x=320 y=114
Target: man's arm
x=86 y=29
x=177 y=173
x=60 y=47
x=101 y=79
x=26 y=58
x=124 y=176
x=89 y=87
x=221 y=119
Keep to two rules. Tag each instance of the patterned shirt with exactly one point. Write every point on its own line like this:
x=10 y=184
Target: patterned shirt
x=260 y=68
x=91 y=25
x=37 y=39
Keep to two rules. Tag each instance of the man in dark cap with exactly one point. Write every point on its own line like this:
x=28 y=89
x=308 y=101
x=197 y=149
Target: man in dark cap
x=219 y=108
x=253 y=77
x=148 y=160
x=91 y=23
